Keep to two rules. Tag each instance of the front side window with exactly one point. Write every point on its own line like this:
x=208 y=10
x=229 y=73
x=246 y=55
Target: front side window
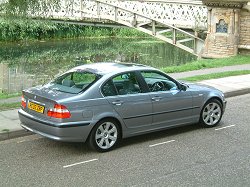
x=122 y=84
x=74 y=82
x=158 y=82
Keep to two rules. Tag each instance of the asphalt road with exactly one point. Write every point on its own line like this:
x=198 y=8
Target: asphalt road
x=186 y=156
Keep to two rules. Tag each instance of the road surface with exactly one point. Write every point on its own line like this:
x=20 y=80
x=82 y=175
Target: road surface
x=186 y=156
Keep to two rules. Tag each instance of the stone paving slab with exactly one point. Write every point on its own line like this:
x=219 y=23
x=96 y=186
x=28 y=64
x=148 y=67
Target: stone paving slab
x=9 y=114
x=9 y=121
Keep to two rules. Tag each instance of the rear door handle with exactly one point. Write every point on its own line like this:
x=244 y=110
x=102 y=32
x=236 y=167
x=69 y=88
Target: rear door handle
x=117 y=103
x=156 y=98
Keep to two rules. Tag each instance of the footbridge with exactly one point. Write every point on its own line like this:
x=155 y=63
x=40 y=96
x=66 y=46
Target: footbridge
x=166 y=20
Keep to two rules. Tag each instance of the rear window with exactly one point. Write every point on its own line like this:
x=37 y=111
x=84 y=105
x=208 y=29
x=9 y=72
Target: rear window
x=74 y=82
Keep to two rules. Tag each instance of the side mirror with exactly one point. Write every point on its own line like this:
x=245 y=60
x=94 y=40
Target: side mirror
x=124 y=76
x=183 y=87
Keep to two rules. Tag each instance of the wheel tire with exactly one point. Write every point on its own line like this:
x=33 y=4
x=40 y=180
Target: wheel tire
x=105 y=135
x=211 y=113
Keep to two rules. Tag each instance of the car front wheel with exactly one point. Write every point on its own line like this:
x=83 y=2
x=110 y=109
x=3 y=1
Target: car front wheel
x=105 y=135
x=211 y=113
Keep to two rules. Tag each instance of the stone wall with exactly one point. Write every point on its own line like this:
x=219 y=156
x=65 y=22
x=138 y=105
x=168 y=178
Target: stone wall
x=228 y=28
x=244 y=40
x=219 y=44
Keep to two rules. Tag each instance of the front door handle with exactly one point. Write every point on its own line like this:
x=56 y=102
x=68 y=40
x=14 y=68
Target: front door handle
x=156 y=98
x=117 y=103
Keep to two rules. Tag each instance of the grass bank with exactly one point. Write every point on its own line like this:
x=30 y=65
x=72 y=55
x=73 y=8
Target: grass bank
x=208 y=63
x=216 y=75
x=8 y=106
x=10 y=95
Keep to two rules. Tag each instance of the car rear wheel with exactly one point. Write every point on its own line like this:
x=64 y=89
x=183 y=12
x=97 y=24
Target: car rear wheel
x=211 y=113
x=105 y=135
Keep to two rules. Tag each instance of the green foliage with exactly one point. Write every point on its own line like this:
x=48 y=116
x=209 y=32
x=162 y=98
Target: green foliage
x=16 y=26
x=124 y=32
x=22 y=7
x=17 y=29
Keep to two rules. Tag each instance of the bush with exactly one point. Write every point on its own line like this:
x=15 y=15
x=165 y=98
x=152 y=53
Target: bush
x=16 y=29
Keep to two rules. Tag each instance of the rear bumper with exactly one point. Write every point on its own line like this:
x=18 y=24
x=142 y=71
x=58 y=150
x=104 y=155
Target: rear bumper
x=66 y=132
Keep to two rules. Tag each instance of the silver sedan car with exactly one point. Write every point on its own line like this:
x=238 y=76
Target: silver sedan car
x=102 y=103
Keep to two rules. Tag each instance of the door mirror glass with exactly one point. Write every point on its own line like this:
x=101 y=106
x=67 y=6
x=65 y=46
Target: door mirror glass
x=183 y=86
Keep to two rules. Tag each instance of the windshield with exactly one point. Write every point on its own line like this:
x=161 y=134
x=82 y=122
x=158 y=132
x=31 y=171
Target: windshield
x=74 y=82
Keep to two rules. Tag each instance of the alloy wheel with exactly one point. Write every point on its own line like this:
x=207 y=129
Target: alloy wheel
x=211 y=114
x=106 y=135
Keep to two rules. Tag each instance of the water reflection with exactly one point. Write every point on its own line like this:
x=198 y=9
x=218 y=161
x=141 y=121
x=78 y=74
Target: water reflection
x=28 y=64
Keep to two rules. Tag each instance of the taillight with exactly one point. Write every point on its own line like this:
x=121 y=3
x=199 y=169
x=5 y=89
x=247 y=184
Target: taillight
x=23 y=103
x=59 y=111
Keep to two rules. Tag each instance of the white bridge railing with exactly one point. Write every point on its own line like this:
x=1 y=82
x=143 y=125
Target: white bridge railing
x=180 y=13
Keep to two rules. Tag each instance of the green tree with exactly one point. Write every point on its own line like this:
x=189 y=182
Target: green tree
x=24 y=7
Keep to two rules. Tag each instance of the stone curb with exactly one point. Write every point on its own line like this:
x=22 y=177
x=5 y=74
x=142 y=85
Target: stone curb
x=237 y=92
x=22 y=132
x=14 y=134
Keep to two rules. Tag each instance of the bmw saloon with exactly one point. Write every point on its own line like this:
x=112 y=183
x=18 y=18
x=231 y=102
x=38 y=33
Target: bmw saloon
x=102 y=103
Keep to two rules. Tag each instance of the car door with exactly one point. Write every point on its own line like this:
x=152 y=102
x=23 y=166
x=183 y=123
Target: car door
x=128 y=99
x=171 y=106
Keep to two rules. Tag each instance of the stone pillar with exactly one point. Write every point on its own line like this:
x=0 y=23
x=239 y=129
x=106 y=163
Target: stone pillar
x=223 y=28
x=244 y=38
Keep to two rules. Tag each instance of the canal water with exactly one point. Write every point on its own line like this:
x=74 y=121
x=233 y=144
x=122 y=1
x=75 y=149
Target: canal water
x=29 y=64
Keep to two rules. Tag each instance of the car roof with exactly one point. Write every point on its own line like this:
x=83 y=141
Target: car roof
x=103 y=68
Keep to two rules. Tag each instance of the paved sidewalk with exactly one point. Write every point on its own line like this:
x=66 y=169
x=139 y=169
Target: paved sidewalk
x=231 y=86
x=10 y=125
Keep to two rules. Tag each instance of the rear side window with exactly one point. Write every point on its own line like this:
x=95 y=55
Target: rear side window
x=74 y=82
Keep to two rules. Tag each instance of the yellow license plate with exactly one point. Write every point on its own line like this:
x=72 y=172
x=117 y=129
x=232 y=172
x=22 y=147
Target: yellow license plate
x=36 y=107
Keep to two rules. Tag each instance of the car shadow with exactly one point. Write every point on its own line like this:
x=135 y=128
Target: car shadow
x=153 y=136
x=83 y=148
